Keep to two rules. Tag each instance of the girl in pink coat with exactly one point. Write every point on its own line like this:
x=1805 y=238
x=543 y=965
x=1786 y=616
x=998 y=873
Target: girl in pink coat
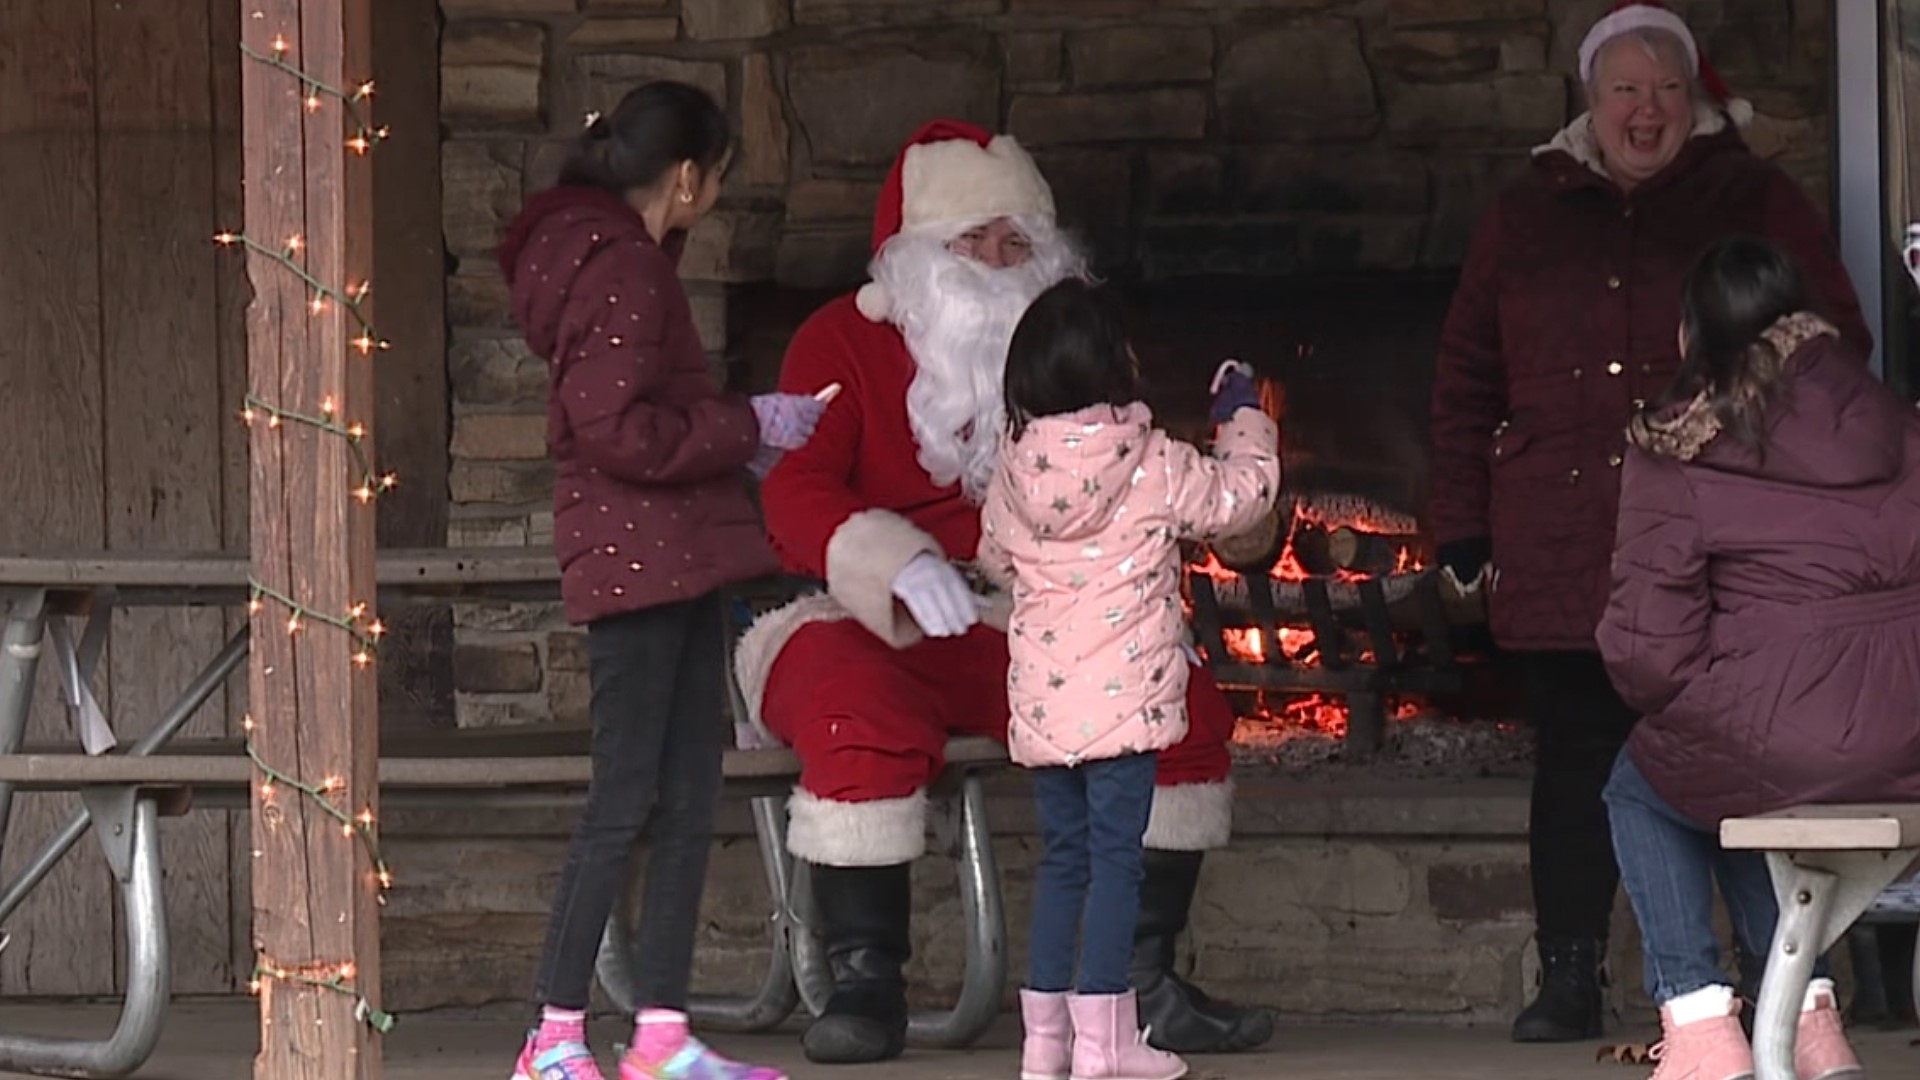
x=1083 y=520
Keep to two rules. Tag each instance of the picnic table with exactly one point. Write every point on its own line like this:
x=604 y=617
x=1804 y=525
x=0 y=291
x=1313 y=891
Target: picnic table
x=1830 y=865
x=61 y=606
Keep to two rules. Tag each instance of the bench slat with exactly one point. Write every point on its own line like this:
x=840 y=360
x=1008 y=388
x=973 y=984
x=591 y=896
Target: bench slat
x=226 y=570
x=66 y=771
x=1888 y=827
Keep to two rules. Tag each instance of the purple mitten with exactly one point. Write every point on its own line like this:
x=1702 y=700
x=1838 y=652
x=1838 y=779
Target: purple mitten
x=786 y=420
x=1233 y=390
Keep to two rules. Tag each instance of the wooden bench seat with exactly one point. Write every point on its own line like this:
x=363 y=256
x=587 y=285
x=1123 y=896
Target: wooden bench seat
x=1885 y=827
x=189 y=765
x=1829 y=863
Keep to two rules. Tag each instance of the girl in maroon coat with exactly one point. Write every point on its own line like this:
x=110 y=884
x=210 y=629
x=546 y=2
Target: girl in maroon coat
x=651 y=520
x=1765 y=616
x=1562 y=325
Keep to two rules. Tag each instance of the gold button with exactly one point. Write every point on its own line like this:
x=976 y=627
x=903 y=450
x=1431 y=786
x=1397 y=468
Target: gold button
x=1613 y=282
x=1613 y=460
x=1576 y=373
x=1615 y=368
x=1628 y=212
x=1573 y=476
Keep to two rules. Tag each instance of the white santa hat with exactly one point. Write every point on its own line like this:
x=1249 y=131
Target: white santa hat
x=1629 y=16
x=952 y=173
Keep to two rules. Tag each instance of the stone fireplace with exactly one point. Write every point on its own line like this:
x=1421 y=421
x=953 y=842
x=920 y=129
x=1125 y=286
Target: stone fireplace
x=1292 y=182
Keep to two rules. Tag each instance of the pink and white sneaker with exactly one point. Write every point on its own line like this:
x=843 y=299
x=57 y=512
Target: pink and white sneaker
x=694 y=1060
x=1821 y=1050
x=568 y=1061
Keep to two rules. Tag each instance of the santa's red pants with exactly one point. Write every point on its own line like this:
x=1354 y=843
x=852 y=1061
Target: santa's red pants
x=869 y=724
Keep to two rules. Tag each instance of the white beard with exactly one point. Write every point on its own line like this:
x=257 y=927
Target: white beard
x=957 y=317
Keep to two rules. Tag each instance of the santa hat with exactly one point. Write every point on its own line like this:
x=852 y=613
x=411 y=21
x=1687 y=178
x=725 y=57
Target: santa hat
x=1628 y=16
x=952 y=173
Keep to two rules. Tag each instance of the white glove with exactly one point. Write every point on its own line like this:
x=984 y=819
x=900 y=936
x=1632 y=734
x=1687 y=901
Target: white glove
x=937 y=596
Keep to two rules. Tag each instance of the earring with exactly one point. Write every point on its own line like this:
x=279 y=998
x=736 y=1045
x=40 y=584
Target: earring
x=686 y=196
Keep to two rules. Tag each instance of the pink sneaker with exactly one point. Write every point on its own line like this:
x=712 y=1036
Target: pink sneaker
x=694 y=1061
x=1046 y=1049
x=568 y=1061
x=1109 y=1045
x=1712 y=1047
x=1820 y=1050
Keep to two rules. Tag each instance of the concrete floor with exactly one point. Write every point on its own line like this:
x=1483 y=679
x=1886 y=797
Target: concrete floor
x=215 y=1041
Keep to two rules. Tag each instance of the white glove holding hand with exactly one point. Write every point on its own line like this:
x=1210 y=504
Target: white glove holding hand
x=936 y=596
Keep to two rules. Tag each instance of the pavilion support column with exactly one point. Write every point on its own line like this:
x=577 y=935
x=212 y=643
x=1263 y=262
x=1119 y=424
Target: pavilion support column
x=313 y=721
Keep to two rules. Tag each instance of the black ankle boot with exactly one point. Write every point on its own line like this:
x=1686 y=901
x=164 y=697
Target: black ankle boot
x=1179 y=1016
x=1571 y=993
x=863 y=915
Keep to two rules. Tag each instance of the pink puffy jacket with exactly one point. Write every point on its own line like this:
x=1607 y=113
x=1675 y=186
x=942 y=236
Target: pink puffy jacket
x=1083 y=520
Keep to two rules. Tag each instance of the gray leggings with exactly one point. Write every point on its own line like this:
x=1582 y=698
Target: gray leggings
x=658 y=735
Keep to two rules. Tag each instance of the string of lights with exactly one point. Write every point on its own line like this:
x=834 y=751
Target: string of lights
x=362 y=631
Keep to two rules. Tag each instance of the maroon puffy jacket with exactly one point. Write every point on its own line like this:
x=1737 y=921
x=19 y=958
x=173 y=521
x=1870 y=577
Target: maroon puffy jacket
x=1765 y=611
x=1564 y=320
x=650 y=502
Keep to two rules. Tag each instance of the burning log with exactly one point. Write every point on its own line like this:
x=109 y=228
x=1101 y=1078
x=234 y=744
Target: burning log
x=1323 y=551
x=1238 y=606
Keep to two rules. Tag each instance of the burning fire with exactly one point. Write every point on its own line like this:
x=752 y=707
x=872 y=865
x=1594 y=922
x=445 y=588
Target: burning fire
x=1308 y=712
x=1318 y=714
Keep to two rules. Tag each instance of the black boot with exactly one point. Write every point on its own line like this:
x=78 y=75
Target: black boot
x=1179 y=1016
x=1569 y=1006
x=863 y=914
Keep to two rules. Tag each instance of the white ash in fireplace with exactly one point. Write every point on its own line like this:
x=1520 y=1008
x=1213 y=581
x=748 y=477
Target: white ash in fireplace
x=1306 y=736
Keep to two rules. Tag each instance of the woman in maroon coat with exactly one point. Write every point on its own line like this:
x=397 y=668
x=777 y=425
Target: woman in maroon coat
x=1765 y=615
x=1562 y=325
x=651 y=520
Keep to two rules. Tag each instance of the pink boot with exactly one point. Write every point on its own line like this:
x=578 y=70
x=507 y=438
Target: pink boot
x=1702 y=1038
x=1820 y=1051
x=1046 y=1051
x=1109 y=1045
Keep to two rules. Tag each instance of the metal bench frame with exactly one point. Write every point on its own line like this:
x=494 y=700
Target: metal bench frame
x=125 y=792
x=1828 y=863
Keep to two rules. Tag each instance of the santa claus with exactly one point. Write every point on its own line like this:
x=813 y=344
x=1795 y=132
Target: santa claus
x=867 y=680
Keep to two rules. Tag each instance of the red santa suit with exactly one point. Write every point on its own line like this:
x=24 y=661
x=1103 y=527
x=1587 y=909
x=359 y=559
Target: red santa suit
x=849 y=681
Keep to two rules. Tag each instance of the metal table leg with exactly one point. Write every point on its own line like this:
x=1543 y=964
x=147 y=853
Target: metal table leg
x=777 y=996
x=20 y=647
x=129 y=834
x=195 y=695
x=1821 y=894
x=965 y=835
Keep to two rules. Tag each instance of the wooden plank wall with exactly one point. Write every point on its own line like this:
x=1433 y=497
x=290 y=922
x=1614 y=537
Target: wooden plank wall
x=122 y=359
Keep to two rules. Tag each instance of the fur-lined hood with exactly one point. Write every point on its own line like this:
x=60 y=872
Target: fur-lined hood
x=1577 y=140
x=1829 y=426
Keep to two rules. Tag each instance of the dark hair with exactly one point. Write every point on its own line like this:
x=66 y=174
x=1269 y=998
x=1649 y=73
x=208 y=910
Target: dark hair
x=653 y=129
x=1069 y=352
x=1738 y=289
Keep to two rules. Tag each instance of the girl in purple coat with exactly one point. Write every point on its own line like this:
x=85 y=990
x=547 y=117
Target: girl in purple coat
x=651 y=520
x=1765 y=617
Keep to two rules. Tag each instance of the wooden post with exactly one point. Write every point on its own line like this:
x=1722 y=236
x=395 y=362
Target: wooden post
x=313 y=706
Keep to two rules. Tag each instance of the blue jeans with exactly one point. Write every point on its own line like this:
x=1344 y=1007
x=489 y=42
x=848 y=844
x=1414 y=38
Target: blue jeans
x=1669 y=864
x=1087 y=888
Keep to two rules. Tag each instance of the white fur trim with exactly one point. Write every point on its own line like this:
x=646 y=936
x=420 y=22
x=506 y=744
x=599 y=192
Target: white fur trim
x=1740 y=111
x=864 y=555
x=1628 y=20
x=958 y=180
x=874 y=301
x=759 y=646
x=881 y=832
x=1191 y=817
